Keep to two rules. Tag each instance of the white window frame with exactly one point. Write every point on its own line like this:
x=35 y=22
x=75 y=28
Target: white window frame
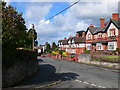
x=89 y=46
x=112 y=45
x=99 y=46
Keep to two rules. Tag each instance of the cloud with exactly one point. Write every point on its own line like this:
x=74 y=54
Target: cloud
x=37 y=11
x=77 y=18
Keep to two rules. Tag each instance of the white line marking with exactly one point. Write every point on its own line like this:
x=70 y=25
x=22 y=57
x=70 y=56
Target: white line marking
x=78 y=81
x=103 y=87
x=100 y=86
x=93 y=84
x=86 y=82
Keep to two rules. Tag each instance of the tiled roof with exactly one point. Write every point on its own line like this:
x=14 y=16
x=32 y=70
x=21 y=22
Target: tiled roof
x=79 y=39
x=64 y=42
x=95 y=30
x=92 y=30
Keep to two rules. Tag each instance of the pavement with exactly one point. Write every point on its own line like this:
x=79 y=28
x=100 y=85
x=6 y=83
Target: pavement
x=73 y=75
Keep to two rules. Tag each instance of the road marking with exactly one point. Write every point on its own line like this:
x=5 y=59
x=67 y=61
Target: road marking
x=78 y=81
x=89 y=84
x=93 y=84
x=86 y=82
x=100 y=86
x=103 y=87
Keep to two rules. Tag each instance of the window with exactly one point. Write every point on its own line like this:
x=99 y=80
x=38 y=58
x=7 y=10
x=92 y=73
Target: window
x=112 y=46
x=99 y=46
x=100 y=35
x=89 y=36
x=112 y=32
x=96 y=36
x=88 y=46
x=81 y=45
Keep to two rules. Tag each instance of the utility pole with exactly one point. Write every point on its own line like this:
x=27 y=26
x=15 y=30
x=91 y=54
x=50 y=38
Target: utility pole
x=33 y=36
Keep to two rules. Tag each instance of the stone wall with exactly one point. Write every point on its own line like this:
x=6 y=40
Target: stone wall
x=85 y=58
x=18 y=72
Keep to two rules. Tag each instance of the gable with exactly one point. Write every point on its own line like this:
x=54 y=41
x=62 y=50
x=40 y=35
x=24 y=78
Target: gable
x=112 y=26
x=89 y=33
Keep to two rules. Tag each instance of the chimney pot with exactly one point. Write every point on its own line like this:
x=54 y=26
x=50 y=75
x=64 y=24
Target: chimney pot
x=65 y=38
x=102 y=22
x=115 y=16
x=91 y=26
x=83 y=34
x=77 y=35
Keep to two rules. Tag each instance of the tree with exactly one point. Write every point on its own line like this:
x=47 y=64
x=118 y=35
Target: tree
x=80 y=32
x=14 y=32
x=48 y=48
x=54 y=46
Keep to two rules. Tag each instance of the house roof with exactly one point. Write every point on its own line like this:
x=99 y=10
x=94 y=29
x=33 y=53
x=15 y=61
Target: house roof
x=92 y=30
x=96 y=30
x=64 y=42
x=79 y=39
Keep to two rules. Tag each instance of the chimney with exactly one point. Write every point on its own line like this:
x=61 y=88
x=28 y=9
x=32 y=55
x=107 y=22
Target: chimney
x=91 y=26
x=70 y=36
x=102 y=22
x=77 y=35
x=83 y=34
x=65 y=38
x=115 y=16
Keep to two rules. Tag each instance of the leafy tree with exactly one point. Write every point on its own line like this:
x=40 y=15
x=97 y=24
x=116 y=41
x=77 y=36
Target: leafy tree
x=80 y=32
x=54 y=46
x=14 y=32
x=48 y=48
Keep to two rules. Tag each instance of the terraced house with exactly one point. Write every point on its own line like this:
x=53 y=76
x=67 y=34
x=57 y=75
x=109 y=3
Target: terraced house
x=103 y=38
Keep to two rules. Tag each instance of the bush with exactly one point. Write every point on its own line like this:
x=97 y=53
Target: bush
x=86 y=51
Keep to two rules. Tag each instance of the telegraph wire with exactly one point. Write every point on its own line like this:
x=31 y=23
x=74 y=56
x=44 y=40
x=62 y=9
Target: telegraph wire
x=61 y=11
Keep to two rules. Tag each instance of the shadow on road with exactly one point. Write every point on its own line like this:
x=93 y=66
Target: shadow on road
x=40 y=60
x=68 y=76
x=47 y=74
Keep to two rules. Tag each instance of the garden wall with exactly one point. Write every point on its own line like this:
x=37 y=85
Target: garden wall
x=86 y=58
x=20 y=70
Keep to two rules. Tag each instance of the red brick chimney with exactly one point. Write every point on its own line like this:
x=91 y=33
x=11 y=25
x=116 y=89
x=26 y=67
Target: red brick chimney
x=91 y=26
x=102 y=22
x=115 y=16
x=83 y=34
x=77 y=35
x=65 y=38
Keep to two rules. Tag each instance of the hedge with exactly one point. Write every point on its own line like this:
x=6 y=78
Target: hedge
x=18 y=56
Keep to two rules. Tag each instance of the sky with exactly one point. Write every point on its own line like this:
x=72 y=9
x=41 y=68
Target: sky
x=66 y=24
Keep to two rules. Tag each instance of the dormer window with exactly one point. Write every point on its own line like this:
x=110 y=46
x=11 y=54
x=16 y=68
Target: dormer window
x=89 y=36
x=112 y=32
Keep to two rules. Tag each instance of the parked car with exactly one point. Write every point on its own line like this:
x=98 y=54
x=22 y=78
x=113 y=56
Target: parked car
x=75 y=59
x=43 y=55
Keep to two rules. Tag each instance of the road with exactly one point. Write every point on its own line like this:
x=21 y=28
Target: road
x=74 y=75
x=78 y=75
